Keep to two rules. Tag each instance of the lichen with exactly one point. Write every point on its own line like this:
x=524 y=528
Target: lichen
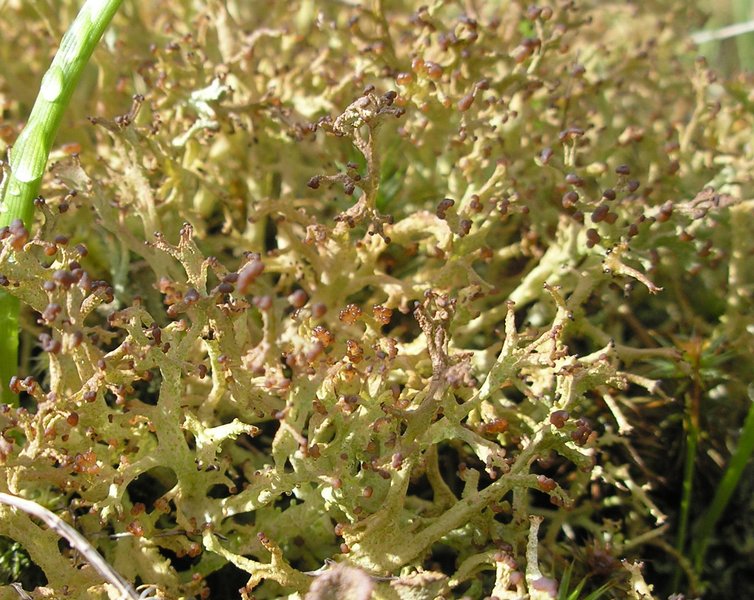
x=376 y=297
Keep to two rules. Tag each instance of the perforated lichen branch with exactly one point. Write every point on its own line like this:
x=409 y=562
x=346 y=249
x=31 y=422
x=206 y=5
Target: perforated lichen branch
x=28 y=157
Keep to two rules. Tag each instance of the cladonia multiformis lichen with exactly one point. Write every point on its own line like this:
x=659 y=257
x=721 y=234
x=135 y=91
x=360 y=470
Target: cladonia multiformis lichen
x=376 y=299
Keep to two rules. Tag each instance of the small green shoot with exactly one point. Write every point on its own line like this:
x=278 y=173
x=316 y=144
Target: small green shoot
x=566 y=593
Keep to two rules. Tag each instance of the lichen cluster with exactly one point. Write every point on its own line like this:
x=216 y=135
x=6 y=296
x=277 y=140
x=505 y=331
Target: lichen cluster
x=376 y=297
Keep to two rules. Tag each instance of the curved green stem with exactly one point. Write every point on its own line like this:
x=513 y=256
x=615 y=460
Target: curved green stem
x=734 y=472
x=28 y=158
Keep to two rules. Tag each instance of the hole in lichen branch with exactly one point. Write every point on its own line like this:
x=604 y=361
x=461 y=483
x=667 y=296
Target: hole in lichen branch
x=151 y=485
x=442 y=558
x=225 y=582
x=179 y=560
x=419 y=487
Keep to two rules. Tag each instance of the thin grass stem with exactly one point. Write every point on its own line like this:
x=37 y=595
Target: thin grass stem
x=692 y=443
x=724 y=33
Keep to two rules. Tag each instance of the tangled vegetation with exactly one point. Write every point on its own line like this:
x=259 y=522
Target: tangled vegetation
x=374 y=299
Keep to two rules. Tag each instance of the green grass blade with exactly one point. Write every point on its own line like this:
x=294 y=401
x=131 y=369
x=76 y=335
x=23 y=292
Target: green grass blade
x=9 y=307
x=692 y=443
x=738 y=461
x=565 y=582
x=598 y=593
x=28 y=157
x=566 y=593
